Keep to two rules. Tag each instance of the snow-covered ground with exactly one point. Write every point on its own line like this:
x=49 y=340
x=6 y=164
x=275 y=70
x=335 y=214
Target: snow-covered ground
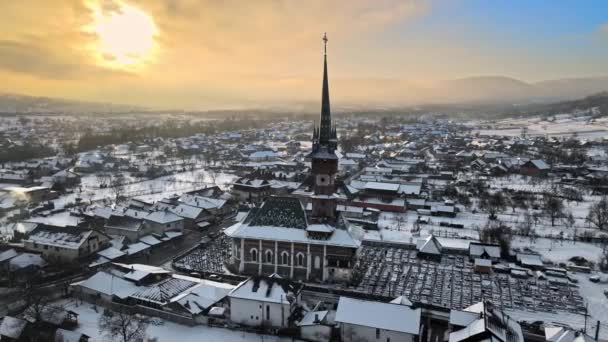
x=559 y=128
x=165 y=331
x=157 y=188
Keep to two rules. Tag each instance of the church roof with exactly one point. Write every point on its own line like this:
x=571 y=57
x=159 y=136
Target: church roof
x=280 y=212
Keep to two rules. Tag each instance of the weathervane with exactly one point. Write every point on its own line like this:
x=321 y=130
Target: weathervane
x=325 y=42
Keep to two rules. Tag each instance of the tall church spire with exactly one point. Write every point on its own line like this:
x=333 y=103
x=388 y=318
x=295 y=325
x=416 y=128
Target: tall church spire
x=325 y=129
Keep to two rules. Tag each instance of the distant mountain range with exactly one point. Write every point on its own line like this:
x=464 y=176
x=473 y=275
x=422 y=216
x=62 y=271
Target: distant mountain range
x=22 y=104
x=502 y=89
x=370 y=94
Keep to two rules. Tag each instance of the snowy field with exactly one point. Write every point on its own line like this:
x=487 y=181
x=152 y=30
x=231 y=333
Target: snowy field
x=150 y=189
x=559 y=128
x=165 y=331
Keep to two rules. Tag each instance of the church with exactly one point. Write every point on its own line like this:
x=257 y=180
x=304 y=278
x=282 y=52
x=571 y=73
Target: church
x=280 y=237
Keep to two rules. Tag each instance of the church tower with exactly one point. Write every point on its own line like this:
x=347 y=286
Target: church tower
x=323 y=156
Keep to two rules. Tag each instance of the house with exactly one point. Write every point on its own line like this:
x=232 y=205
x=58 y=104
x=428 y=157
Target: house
x=535 y=167
x=161 y=221
x=315 y=326
x=251 y=190
x=129 y=227
x=66 y=178
x=5 y=257
x=65 y=244
x=264 y=301
x=482 y=265
x=362 y=320
x=555 y=333
x=479 y=250
x=429 y=248
x=484 y=322
x=202 y=299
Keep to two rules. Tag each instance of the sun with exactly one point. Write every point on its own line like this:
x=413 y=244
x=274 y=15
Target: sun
x=125 y=35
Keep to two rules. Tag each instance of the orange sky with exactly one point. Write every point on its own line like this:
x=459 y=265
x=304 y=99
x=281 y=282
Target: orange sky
x=206 y=54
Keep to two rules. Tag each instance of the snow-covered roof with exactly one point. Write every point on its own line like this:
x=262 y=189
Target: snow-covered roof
x=71 y=238
x=394 y=317
x=563 y=334
x=204 y=295
x=313 y=317
x=478 y=249
x=12 y=327
x=266 y=289
x=462 y=318
x=111 y=253
x=24 y=260
x=109 y=284
x=163 y=217
x=187 y=211
x=163 y=292
x=136 y=248
x=339 y=237
x=429 y=245
x=62 y=335
x=382 y=186
x=403 y=300
x=150 y=240
x=8 y=254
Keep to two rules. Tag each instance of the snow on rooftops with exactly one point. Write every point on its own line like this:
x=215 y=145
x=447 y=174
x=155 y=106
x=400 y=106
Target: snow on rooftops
x=163 y=292
x=137 y=247
x=111 y=253
x=12 y=327
x=202 y=202
x=25 y=260
x=320 y=228
x=187 y=211
x=563 y=334
x=479 y=249
x=109 y=284
x=71 y=238
x=490 y=320
x=266 y=289
x=393 y=187
x=313 y=317
x=339 y=237
x=8 y=254
x=394 y=317
x=149 y=240
x=401 y=300
x=203 y=296
x=429 y=245
x=163 y=217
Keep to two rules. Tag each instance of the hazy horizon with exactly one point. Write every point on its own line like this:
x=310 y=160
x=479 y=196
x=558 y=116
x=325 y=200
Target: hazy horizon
x=206 y=54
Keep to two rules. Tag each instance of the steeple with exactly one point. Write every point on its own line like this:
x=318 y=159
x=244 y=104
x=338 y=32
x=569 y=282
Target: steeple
x=325 y=134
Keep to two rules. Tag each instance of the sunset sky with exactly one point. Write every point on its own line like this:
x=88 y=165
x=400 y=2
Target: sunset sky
x=206 y=53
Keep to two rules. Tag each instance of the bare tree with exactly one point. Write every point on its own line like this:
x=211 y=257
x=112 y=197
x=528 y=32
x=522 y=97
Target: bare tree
x=117 y=185
x=553 y=207
x=123 y=326
x=598 y=214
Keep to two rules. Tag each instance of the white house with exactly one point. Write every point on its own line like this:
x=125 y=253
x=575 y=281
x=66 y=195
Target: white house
x=61 y=244
x=264 y=301
x=362 y=320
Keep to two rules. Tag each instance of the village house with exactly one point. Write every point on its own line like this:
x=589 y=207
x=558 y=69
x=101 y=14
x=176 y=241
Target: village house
x=65 y=244
x=362 y=320
x=265 y=302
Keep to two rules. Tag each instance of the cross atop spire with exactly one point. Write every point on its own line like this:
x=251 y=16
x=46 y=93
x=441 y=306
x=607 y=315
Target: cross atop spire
x=325 y=43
